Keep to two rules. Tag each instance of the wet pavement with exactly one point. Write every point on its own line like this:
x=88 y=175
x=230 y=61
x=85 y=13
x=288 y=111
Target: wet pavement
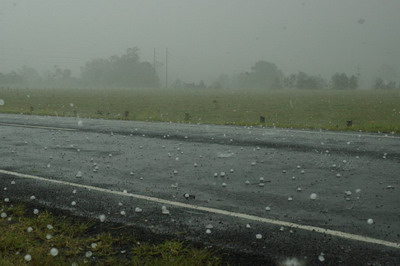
x=346 y=182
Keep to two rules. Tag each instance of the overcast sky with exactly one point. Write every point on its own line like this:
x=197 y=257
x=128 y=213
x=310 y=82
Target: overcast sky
x=205 y=37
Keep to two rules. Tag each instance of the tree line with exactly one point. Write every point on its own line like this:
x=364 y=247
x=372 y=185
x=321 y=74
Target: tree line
x=128 y=71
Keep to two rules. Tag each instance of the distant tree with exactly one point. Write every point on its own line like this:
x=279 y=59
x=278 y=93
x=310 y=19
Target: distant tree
x=290 y=81
x=353 y=82
x=340 y=81
x=120 y=71
x=12 y=78
x=29 y=75
x=263 y=75
x=304 y=81
x=381 y=84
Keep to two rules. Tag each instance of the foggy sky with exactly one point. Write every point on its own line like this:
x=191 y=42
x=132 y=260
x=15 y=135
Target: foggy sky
x=205 y=38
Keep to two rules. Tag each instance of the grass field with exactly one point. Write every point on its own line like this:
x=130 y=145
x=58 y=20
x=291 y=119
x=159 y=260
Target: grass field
x=49 y=239
x=373 y=111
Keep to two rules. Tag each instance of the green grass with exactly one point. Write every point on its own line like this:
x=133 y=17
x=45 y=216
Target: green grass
x=373 y=111
x=73 y=239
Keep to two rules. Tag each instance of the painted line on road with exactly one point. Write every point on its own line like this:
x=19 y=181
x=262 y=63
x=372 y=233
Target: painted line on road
x=41 y=127
x=254 y=218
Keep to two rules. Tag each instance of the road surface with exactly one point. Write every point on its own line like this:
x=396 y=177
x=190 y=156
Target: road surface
x=316 y=196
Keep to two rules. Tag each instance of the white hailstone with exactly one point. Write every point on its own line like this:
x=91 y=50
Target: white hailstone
x=175 y=172
x=32 y=197
x=73 y=203
x=282 y=229
x=215 y=174
x=267 y=208
x=164 y=210
x=109 y=155
x=209 y=226
x=208 y=231
x=253 y=163
x=298 y=167
x=6 y=200
x=344 y=161
x=370 y=221
x=348 y=143
x=283 y=171
x=222 y=174
x=334 y=165
x=71 y=104
x=231 y=170
x=48 y=236
x=261 y=179
x=78 y=150
x=36 y=211
x=261 y=184
x=137 y=209
x=93 y=245
x=313 y=196
x=348 y=192
x=48 y=165
x=131 y=173
x=186 y=195
x=80 y=123
x=102 y=217
x=258 y=236
x=338 y=175
x=195 y=164
x=293 y=177
x=258 y=148
x=290 y=199
x=79 y=174
x=141 y=178
x=74 y=191
x=123 y=213
x=50 y=227
x=29 y=229
x=247 y=182
x=28 y=257
x=224 y=184
x=358 y=190
x=53 y=252
x=177 y=159
x=120 y=204
x=88 y=254
x=321 y=257
x=13 y=182
x=1 y=102
x=5 y=188
x=302 y=171
x=248 y=226
x=299 y=189
x=3 y=215
x=125 y=191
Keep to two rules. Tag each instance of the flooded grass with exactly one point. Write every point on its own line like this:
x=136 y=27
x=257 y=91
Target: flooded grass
x=372 y=111
x=47 y=239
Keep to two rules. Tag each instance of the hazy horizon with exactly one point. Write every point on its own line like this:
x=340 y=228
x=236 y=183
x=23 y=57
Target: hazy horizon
x=205 y=38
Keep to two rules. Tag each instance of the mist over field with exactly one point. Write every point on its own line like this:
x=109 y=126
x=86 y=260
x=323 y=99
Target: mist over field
x=208 y=42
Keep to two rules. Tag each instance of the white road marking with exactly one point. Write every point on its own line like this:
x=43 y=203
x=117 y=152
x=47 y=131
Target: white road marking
x=217 y=211
x=41 y=127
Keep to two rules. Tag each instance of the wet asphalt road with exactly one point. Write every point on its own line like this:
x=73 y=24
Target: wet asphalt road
x=355 y=177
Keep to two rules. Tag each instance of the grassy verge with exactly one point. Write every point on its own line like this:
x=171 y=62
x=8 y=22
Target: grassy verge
x=49 y=239
x=373 y=111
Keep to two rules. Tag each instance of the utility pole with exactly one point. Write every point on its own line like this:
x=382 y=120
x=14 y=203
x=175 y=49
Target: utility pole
x=166 y=68
x=154 y=59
